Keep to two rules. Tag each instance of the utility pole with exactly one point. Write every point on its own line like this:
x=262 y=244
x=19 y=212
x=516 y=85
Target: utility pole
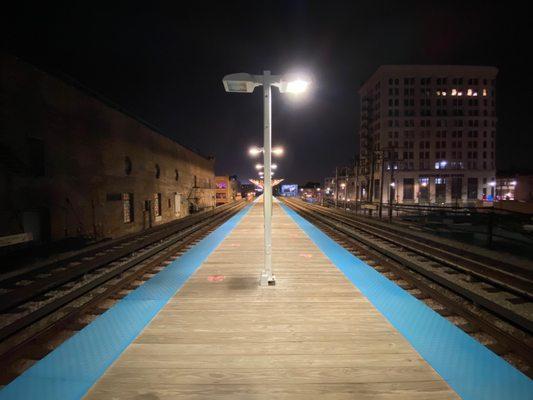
x=356 y=182
x=392 y=186
x=346 y=187
x=381 y=184
x=336 y=186
x=371 y=183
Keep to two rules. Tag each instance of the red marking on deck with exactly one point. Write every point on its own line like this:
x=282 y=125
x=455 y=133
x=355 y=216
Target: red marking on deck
x=215 y=278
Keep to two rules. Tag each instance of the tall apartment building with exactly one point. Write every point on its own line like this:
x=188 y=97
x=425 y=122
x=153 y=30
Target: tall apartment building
x=428 y=134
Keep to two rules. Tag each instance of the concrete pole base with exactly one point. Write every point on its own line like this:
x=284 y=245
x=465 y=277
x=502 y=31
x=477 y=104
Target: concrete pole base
x=267 y=279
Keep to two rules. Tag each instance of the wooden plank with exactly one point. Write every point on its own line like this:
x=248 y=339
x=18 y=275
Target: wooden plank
x=313 y=335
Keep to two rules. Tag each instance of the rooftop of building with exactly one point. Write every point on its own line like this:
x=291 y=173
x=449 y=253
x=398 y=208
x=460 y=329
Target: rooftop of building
x=429 y=70
x=72 y=82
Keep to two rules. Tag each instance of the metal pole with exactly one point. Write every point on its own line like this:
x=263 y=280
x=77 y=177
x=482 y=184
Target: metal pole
x=336 y=186
x=266 y=277
x=346 y=188
x=381 y=184
x=371 y=183
x=391 y=188
x=356 y=184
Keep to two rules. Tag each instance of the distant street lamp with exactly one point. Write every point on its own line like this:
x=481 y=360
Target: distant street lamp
x=246 y=83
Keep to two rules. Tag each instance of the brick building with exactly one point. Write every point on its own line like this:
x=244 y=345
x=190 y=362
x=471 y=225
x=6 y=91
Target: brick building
x=428 y=134
x=75 y=165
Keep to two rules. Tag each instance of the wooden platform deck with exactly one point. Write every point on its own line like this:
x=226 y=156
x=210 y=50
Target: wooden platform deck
x=312 y=336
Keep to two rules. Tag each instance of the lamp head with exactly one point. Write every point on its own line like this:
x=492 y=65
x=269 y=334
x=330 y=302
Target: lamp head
x=240 y=83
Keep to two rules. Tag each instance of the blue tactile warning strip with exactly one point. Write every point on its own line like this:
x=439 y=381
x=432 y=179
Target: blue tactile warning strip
x=472 y=370
x=70 y=370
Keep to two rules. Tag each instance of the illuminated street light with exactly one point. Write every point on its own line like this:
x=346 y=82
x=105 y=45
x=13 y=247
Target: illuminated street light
x=254 y=151
x=278 y=151
x=246 y=83
x=260 y=166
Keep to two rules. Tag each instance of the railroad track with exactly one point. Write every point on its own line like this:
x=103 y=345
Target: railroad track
x=41 y=308
x=488 y=299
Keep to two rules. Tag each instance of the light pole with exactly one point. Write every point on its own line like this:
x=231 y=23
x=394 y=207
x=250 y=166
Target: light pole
x=246 y=83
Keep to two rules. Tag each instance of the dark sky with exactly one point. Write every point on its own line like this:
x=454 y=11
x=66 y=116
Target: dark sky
x=165 y=63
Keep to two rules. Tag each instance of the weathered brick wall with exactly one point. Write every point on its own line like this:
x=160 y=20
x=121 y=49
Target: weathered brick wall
x=85 y=144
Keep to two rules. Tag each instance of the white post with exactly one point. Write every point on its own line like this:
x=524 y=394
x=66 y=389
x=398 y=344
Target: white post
x=266 y=277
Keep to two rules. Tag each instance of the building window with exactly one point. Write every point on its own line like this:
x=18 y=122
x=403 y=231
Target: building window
x=128 y=207
x=127 y=165
x=157 y=171
x=157 y=204
x=457 y=185
x=440 y=190
x=408 y=189
x=176 y=175
x=472 y=188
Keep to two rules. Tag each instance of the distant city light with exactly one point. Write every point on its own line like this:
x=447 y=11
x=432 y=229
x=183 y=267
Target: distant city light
x=258 y=166
x=469 y=92
x=393 y=184
x=512 y=183
x=492 y=183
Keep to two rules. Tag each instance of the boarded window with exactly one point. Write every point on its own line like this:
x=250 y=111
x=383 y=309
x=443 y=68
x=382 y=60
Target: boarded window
x=157 y=204
x=128 y=207
x=177 y=204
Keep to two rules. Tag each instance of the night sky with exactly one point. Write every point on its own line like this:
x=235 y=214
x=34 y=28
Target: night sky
x=165 y=65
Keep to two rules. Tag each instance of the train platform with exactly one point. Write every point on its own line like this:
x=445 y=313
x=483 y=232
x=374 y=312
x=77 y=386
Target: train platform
x=331 y=328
